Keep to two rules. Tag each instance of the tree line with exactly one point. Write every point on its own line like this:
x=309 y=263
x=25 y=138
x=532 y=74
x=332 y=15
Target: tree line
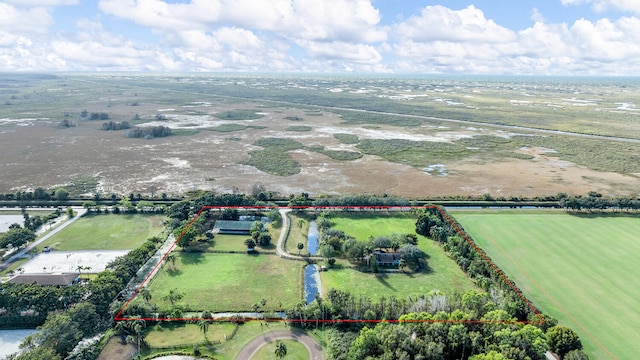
x=595 y=202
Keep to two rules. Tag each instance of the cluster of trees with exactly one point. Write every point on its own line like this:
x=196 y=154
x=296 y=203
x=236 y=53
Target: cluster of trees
x=362 y=200
x=73 y=312
x=61 y=333
x=149 y=132
x=34 y=222
x=38 y=194
x=113 y=126
x=335 y=243
x=594 y=202
x=434 y=326
x=260 y=235
x=16 y=236
x=94 y=115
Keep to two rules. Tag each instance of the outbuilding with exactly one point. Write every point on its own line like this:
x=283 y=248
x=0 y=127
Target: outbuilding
x=233 y=227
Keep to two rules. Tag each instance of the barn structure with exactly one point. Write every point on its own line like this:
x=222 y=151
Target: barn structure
x=46 y=279
x=233 y=227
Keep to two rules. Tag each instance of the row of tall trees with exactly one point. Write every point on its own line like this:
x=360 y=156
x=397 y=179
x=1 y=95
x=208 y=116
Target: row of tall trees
x=595 y=202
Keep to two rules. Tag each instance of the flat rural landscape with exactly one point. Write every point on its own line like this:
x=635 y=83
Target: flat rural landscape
x=306 y=179
x=499 y=136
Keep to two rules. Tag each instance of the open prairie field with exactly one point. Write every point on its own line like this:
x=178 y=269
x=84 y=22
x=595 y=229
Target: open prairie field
x=106 y=232
x=581 y=269
x=229 y=282
x=429 y=136
x=443 y=274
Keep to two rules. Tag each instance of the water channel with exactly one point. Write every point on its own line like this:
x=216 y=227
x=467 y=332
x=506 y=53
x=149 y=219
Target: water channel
x=311 y=283
x=312 y=239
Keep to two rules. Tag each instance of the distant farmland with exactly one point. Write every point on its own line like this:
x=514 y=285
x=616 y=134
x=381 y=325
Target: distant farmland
x=580 y=269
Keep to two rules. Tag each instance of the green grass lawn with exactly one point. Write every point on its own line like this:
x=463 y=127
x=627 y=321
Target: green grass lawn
x=295 y=351
x=228 y=242
x=106 y=232
x=363 y=225
x=228 y=349
x=580 y=269
x=173 y=334
x=229 y=282
x=298 y=234
x=444 y=274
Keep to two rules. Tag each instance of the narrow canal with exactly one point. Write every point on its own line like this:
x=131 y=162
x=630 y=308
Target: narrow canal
x=312 y=239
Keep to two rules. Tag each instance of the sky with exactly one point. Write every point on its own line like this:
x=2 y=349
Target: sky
x=522 y=37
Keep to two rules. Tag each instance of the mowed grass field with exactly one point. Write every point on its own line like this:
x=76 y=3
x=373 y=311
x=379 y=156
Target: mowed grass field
x=443 y=274
x=106 y=232
x=581 y=269
x=229 y=282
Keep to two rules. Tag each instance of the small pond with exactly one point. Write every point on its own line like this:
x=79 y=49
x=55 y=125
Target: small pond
x=312 y=239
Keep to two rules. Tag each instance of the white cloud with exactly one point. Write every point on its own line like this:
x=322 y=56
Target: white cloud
x=41 y=3
x=351 y=20
x=537 y=16
x=24 y=21
x=359 y=53
x=584 y=47
x=438 y=23
x=603 y=5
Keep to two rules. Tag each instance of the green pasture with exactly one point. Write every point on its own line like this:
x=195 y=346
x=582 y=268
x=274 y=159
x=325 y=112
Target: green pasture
x=295 y=351
x=229 y=282
x=581 y=269
x=171 y=334
x=228 y=242
x=442 y=273
x=365 y=224
x=106 y=232
x=175 y=333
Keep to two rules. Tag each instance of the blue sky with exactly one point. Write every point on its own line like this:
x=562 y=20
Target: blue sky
x=544 y=37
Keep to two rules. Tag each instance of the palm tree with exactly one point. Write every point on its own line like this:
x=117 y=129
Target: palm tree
x=172 y=259
x=300 y=247
x=204 y=326
x=145 y=293
x=136 y=327
x=281 y=350
x=173 y=296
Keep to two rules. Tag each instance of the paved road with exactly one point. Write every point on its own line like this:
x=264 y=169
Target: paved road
x=79 y=210
x=252 y=347
x=283 y=236
x=150 y=268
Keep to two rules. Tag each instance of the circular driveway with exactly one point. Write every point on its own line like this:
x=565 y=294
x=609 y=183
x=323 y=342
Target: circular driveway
x=252 y=347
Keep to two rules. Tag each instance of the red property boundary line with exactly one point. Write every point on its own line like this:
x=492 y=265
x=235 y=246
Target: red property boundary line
x=460 y=232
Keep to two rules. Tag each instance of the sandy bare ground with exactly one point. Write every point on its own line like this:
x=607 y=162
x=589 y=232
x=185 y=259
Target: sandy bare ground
x=314 y=348
x=68 y=261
